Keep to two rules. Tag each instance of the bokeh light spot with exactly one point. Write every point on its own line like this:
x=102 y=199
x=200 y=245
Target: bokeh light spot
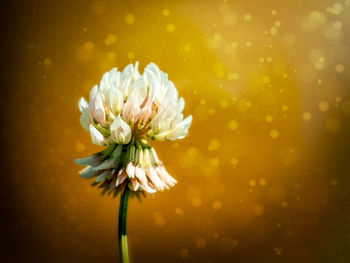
x=217 y=205
x=323 y=106
x=110 y=39
x=247 y=17
x=339 y=68
x=196 y=202
x=268 y=118
x=165 y=12
x=178 y=211
x=80 y=147
x=252 y=183
x=274 y=134
x=214 y=145
x=306 y=116
x=129 y=19
x=262 y=182
x=170 y=28
x=233 y=125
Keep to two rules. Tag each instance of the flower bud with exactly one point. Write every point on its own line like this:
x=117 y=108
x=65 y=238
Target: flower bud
x=120 y=131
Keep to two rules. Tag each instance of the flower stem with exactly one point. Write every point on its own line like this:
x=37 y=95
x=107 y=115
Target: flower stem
x=123 y=239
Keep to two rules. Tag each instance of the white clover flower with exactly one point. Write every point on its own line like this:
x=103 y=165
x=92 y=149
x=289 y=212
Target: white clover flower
x=122 y=112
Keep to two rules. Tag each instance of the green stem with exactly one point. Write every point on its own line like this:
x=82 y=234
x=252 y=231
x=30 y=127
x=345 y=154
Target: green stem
x=123 y=239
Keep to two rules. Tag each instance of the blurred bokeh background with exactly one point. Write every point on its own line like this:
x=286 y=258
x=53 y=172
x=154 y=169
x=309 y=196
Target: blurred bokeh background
x=264 y=175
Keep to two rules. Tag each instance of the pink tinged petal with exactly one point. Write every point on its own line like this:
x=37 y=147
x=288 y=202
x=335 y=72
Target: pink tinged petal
x=141 y=175
x=92 y=96
x=165 y=176
x=120 y=178
x=120 y=131
x=99 y=110
x=135 y=184
x=144 y=184
x=145 y=114
x=96 y=137
x=152 y=175
x=131 y=111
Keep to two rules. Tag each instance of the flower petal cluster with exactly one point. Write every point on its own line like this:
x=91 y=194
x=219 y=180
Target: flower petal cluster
x=123 y=111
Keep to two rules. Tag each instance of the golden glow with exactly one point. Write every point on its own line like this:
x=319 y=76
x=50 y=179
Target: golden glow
x=263 y=175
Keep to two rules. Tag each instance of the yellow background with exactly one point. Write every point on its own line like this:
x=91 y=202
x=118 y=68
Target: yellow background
x=264 y=174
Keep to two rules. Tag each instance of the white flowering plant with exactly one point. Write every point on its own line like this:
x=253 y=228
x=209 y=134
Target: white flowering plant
x=123 y=111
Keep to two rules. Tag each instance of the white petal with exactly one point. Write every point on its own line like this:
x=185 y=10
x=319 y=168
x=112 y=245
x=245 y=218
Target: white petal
x=153 y=68
x=181 y=129
x=148 y=189
x=120 y=131
x=129 y=74
x=153 y=85
x=180 y=105
x=130 y=170
x=96 y=137
x=93 y=93
x=114 y=77
x=115 y=100
x=83 y=104
x=105 y=84
x=85 y=119
x=138 y=90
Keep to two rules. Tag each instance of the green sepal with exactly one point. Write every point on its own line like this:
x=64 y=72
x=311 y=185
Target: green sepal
x=89 y=173
x=107 y=152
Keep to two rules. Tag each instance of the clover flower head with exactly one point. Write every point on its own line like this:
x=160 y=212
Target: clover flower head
x=123 y=111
